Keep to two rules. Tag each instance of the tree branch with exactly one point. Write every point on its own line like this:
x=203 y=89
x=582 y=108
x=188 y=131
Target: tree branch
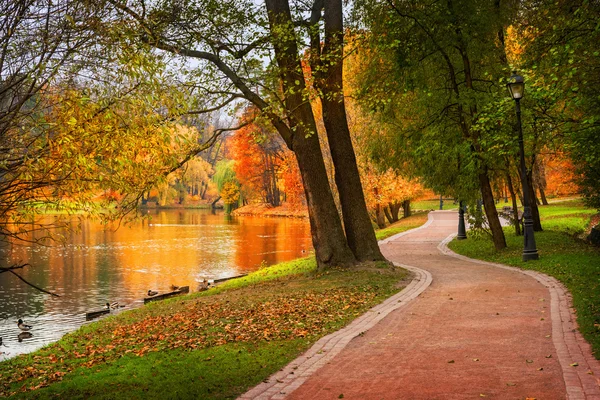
x=11 y=268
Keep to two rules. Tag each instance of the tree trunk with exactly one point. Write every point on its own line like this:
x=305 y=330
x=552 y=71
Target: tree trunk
x=539 y=170
x=515 y=207
x=379 y=216
x=331 y=246
x=328 y=237
x=359 y=231
x=395 y=210
x=535 y=212
x=406 y=207
x=490 y=210
x=543 y=196
x=388 y=213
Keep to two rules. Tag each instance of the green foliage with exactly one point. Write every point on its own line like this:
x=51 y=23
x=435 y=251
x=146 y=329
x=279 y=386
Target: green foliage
x=435 y=79
x=563 y=58
x=224 y=173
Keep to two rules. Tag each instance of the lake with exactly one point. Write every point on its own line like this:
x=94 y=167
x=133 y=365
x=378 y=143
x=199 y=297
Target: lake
x=97 y=264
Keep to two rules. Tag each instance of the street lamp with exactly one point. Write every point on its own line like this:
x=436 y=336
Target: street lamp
x=462 y=232
x=516 y=88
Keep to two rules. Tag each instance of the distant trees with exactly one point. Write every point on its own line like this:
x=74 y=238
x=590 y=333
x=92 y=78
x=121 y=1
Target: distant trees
x=258 y=153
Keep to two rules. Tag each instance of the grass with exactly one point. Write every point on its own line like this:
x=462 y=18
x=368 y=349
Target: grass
x=210 y=345
x=428 y=205
x=414 y=221
x=563 y=255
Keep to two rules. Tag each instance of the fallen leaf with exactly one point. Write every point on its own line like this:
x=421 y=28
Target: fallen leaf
x=549 y=356
x=451 y=362
x=476 y=359
x=511 y=384
x=574 y=364
x=540 y=369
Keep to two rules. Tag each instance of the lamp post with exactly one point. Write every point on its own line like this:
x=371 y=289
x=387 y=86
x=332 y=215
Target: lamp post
x=462 y=232
x=516 y=88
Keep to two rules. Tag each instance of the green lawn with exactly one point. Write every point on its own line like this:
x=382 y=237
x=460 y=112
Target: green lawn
x=563 y=255
x=414 y=221
x=433 y=204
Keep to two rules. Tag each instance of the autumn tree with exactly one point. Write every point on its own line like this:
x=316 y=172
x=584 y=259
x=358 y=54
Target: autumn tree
x=444 y=90
x=231 y=61
x=562 y=56
x=258 y=153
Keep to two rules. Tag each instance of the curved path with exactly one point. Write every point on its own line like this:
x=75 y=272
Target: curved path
x=462 y=330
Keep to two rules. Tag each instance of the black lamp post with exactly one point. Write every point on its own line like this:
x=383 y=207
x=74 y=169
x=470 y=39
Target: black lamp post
x=462 y=232
x=516 y=87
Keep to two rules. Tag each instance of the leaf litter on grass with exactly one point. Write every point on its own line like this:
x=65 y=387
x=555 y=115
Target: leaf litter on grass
x=194 y=324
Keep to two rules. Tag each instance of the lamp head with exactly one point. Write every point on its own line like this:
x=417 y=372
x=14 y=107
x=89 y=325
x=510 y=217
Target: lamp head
x=516 y=86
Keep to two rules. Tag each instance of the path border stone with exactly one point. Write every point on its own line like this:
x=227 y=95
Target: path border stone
x=293 y=375
x=581 y=371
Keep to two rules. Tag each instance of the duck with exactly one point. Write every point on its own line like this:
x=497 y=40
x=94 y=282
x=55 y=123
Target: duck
x=22 y=326
x=174 y=287
x=111 y=306
x=152 y=293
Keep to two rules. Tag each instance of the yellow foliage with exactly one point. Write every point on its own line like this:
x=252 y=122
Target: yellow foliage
x=230 y=193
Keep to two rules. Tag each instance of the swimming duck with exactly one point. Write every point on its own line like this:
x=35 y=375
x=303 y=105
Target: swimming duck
x=22 y=326
x=173 y=287
x=111 y=306
x=152 y=293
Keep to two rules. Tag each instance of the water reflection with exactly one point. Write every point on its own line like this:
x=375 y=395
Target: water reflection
x=98 y=265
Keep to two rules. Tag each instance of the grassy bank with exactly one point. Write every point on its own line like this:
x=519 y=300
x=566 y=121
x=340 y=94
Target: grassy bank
x=563 y=255
x=414 y=221
x=433 y=204
x=209 y=345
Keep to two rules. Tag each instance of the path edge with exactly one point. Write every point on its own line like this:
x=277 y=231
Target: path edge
x=294 y=374
x=581 y=381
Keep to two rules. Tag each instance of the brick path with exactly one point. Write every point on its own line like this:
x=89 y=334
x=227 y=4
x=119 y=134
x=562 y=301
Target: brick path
x=461 y=330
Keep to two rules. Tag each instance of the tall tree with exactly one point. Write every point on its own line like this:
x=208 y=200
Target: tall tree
x=232 y=49
x=444 y=77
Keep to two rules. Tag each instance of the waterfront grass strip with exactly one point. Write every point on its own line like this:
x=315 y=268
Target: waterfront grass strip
x=250 y=327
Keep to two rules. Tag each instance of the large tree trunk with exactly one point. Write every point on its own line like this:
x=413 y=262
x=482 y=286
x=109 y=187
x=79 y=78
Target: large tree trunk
x=331 y=247
x=359 y=231
x=490 y=210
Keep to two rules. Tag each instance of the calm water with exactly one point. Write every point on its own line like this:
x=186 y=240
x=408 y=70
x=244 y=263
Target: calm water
x=98 y=265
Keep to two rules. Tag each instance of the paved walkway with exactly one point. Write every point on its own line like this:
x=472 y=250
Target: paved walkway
x=460 y=330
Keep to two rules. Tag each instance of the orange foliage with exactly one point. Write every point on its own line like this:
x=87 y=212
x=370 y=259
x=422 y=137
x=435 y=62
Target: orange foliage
x=264 y=166
x=560 y=175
